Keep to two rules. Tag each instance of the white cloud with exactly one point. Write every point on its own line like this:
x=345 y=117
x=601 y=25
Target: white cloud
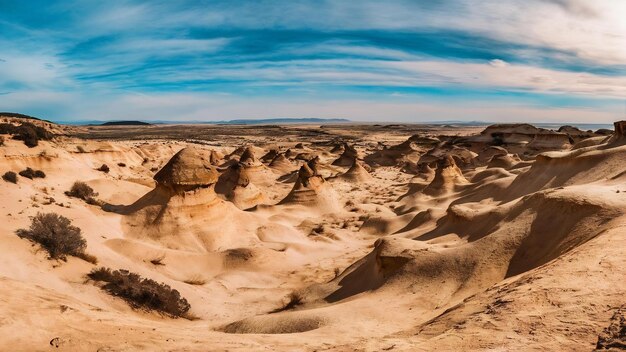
x=498 y=63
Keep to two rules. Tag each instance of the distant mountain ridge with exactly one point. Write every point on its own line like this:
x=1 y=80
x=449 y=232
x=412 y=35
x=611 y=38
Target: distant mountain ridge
x=126 y=123
x=277 y=121
x=284 y=120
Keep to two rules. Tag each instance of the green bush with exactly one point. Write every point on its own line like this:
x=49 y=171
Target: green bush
x=141 y=293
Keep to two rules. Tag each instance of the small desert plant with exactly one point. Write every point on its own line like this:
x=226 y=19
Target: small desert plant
x=83 y=191
x=196 y=281
x=27 y=132
x=10 y=176
x=293 y=300
x=141 y=293
x=30 y=173
x=57 y=235
x=497 y=139
x=104 y=168
x=158 y=260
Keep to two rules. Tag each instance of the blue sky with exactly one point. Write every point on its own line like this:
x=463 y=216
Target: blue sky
x=491 y=60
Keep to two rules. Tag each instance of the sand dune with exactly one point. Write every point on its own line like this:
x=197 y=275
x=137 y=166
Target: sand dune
x=509 y=238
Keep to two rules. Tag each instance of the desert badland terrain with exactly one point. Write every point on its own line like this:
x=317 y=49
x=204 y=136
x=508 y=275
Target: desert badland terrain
x=317 y=238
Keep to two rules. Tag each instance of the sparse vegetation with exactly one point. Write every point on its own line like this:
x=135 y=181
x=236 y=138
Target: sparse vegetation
x=57 y=235
x=121 y=164
x=158 y=260
x=83 y=191
x=30 y=173
x=196 y=281
x=239 y=254
x=141 y=293
x=293 y=300
x=498 y=139
x=104 y=168
x=29 y=133
x=10 y=176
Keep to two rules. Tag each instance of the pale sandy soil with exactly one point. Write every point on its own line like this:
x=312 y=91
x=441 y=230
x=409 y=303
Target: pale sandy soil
x=421 y=247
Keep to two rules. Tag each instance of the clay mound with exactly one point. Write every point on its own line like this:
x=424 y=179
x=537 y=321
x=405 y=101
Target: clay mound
x=183 y=212
x=348 y=156
x=407 y=151
x=305 y=156
x=580 y=166
x=619 y=136
x=514 y=136
x=240 y=151
x=604 y=132
x=447 y=177
x=234 y=184
x=301 y=146
x=215 y=158
x=550 y=141
x=575 y=134
x=248 y=158
x=497 y=244
x=485 y=155
x=425 y=171
x=282 y=164
x=337 y=148
x=493 y=173
x=356 y=173
x=463 y=157
x=312 y=190
x=505 y=161
x=189 y=168
x=269 y=156
x=523 y=128
x=590 y=142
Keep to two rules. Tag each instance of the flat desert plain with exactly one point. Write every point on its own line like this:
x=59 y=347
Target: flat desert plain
x=339 y=237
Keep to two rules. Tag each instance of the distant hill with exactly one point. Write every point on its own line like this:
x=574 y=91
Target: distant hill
x=125 y=123
x=20 y=116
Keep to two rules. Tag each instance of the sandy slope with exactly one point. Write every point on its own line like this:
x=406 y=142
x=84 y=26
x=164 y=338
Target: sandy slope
x=420 y=245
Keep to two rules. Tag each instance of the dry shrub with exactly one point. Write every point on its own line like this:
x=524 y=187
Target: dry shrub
x=158 y=260
x=57 y=236
x=27 y=132
x=104 y=168
x=293 y=300
x=83 y=191
x=141 y=293
x=10 y=176
x=195 y=280
x=30 y=173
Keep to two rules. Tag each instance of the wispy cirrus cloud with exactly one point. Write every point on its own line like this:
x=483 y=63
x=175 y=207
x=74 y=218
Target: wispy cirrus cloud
x=82 y=58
